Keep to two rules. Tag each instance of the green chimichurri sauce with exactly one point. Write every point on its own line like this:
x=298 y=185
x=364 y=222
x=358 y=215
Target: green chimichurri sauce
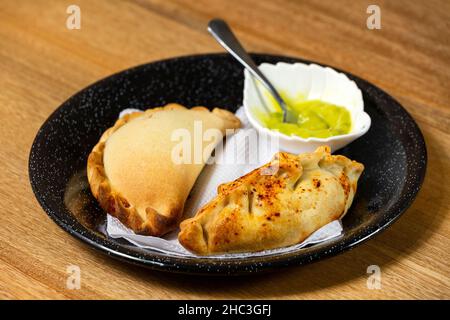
x=310 y=118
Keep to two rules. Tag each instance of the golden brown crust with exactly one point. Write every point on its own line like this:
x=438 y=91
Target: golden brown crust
x=276 y=205
x=112 y=201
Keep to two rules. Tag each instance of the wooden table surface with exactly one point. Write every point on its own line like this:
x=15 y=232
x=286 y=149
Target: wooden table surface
x=42 y=63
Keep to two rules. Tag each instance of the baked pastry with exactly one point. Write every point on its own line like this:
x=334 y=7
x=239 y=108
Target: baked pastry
x=134 y=173
x=277 y=205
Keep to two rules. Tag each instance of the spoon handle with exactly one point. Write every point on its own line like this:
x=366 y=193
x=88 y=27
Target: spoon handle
x=223 y=34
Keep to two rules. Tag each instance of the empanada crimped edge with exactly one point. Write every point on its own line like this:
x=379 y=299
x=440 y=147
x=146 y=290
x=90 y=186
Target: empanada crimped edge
x=155 y=224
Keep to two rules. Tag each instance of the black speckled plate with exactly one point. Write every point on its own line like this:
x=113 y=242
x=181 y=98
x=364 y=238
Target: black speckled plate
x=393 y=152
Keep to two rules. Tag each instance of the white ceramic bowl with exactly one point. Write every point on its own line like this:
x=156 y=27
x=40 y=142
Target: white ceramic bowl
x=311 y=82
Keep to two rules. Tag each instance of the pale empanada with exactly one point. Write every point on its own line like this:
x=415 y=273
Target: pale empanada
x=132 y=172
x=279 y=204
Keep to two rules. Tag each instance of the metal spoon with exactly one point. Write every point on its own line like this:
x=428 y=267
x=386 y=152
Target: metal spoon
x=223 y=34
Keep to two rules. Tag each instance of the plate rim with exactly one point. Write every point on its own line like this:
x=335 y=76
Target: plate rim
x=235 y=266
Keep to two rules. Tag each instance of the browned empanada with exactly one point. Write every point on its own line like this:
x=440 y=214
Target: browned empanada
x=279 y=204
x=131 y=170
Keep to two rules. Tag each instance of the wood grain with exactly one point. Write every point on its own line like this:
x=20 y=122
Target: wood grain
x=42 y=63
